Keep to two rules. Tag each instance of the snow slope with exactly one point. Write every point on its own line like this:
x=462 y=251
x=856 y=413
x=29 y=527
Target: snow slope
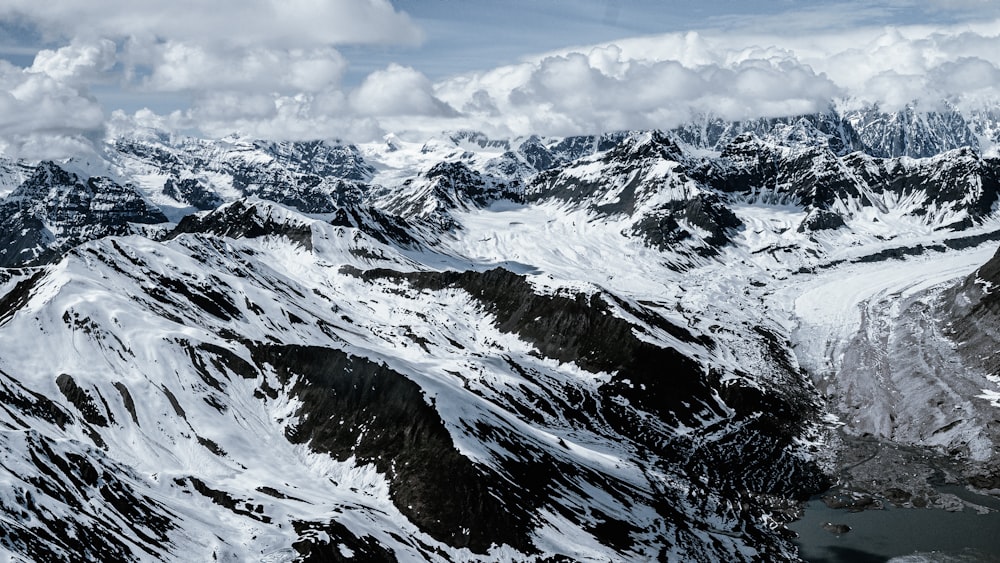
x=170 y=359
x=478 y=350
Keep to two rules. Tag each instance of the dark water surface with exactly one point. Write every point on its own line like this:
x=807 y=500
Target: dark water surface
x=903 y=535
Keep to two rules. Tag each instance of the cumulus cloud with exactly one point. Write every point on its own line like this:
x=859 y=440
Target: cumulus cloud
x=269 y=66
x=43 y=117
x=300 y=117
x=603 y=90
x=398 y=90
x=77 y=63
x=394 y=98
x=895 y=66
x=186 y=66
x=968 y=75
x=245 y=23
x=272 y=68
x=663 y=81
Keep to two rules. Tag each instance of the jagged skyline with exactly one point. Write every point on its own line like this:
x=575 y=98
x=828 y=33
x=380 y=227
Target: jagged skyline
x=575 y=338
x=357 y=70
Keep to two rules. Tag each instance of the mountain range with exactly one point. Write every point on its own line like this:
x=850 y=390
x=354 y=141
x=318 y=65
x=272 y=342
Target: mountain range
x=470 y=349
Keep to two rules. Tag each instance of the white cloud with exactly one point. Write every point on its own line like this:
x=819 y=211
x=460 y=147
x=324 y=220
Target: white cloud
x=77 y=63
x=394 y=98
x=321 y=115
x=398 y=90
x=969 y=75
x=243 y=23
x=41 y=117
x=47 y=146
x=221 y=106
x=603 y=90
x=268 y=66
x=661 y=81
x=272 y=68
x=897 y=66
x=193 y=67
x=650 y=82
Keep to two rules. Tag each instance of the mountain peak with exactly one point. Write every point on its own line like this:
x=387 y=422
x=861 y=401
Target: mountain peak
x=54 y=210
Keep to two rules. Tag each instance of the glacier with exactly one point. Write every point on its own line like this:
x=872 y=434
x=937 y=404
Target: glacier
x=632 y=346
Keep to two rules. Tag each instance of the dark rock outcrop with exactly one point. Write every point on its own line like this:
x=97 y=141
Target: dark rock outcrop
x=55 y=210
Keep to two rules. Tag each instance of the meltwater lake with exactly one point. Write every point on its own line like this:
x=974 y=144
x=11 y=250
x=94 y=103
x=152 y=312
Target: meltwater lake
x=902 y=535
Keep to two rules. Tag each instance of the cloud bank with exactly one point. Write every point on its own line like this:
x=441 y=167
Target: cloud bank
x=236 y=23
x=41 y=116
x=664 y=81
x=275 y=68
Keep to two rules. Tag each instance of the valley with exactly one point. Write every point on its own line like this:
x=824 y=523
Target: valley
x=620 y=347
x=373 y=281
x=912 y=429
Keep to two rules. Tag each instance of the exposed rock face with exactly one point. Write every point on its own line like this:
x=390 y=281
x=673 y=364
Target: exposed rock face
x=243 y=219
x=910 y=132
x=454 y=461
x=314 y=177
x=837 y=529
x=821 y=220
x=822 y=130
x=193 y=191
x=973 y=309
x=353 y=408
x=534 y=154
x=446 y=187
x=526 y=349
x=834 y=162
x=811 y=177
x=663 y=226
x=960 y=180
x=54 y=210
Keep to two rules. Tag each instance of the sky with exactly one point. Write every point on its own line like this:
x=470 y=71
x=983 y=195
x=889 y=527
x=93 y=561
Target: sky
x=73 y=73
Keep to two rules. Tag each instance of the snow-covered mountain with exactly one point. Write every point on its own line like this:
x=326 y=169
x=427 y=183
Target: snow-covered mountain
x=909 y=132
x=460 y=349
x=54 y=210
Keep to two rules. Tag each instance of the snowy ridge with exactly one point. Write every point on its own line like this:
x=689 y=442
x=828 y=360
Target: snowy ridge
x=181 y=174
x=912 y=131
x=12 y=174
x=467 y=349
x=228 y=392
x=53 y=210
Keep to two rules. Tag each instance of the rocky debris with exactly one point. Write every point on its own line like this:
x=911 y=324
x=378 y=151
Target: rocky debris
x=907 y=395
x=836 y=529
x=852 y=501
x=972 y=311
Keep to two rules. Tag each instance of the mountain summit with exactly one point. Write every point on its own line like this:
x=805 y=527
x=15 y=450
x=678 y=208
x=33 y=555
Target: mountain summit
x=630 y=346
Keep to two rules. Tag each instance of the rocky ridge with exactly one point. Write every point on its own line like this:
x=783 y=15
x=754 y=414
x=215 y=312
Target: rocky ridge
x=533 y=349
